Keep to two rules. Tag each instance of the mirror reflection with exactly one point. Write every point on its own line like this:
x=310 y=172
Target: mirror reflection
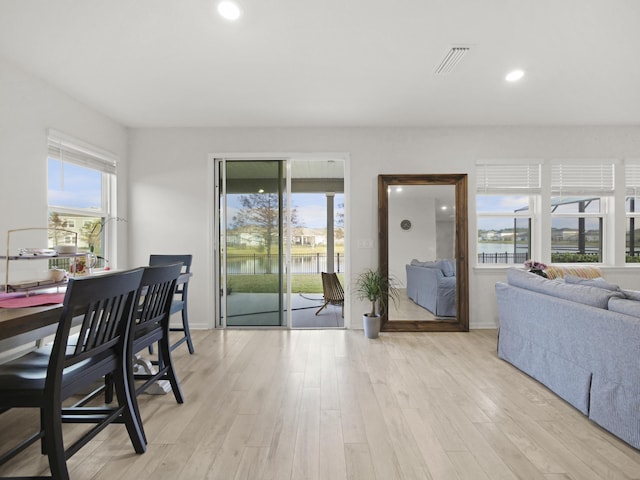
x=423 y=237
x=422 y=263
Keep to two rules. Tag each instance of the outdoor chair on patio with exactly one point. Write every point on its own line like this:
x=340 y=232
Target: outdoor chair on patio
x=332 y=291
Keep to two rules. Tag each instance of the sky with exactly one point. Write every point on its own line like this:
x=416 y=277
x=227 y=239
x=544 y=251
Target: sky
x=73 y=186
x=311 y=208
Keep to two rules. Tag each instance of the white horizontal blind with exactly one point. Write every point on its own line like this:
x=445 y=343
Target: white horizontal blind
x=508 y=177
x=67 y=149
x=632 y=177
x=581 y=177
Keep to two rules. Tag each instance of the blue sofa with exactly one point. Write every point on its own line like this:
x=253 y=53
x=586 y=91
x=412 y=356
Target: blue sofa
x=581 y=340
x=432 y=285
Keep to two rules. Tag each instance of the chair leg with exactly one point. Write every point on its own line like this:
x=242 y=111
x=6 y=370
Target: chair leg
x=323 y=306
x=186 y=337
x=125 y=393
x=54 y=443
x=165 y=361
x=185 y=325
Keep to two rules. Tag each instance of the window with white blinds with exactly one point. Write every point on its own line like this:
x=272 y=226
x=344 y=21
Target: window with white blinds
x=70 y=150
x=81 y=181
x=582 y=177
x=504 y=209
x=632 y=177
x=580 y=211
x=494 y=177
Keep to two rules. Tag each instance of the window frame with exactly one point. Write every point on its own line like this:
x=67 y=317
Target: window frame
x=612 y=194
x=516 y=178
x=66 y=149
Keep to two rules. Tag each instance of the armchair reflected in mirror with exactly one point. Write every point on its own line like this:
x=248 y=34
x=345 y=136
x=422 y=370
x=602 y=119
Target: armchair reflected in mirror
x=423 y=249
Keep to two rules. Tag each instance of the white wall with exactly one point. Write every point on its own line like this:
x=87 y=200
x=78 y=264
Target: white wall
x=165 y=196
x=28 y=108
x=169 y=182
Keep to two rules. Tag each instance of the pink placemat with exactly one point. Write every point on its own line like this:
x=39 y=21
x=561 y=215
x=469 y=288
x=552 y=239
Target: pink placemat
x=32 y=300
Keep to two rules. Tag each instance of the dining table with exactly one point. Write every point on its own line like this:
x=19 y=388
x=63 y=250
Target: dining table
x=27 y=324
x=19 y=321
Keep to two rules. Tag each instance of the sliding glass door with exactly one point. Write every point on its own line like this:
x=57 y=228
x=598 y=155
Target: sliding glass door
x=279 y=224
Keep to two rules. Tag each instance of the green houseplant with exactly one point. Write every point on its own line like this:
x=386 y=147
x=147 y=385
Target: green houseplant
x=371 y=285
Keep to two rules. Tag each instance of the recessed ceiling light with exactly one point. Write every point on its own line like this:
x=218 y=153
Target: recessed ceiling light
x=229 y=10
x=514 y=75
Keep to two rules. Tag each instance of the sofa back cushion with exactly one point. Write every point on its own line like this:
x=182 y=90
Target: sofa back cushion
x=631 y=294
x=585 y=294
x=625 y=305
x=448 y=267
x=592 y=282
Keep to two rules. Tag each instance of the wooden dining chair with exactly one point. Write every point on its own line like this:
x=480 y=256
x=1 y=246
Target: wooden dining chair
x=332 y=291
x=179 y=303
x=103 y=307
x=152 y=324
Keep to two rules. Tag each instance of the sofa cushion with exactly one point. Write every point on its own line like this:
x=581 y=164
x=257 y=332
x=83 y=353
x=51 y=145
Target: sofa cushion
x=448 y=267
x=592 y=282
x=624 y=305
x=417 y=263
x=585 y=294
x=631 y=294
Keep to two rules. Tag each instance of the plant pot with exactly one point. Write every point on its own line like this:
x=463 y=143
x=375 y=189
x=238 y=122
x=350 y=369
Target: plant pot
x=371 y=326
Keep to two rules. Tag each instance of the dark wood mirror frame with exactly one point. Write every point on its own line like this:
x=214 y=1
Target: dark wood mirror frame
x=461 y=323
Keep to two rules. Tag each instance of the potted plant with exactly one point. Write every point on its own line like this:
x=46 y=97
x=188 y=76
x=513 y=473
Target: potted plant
x=371 y=285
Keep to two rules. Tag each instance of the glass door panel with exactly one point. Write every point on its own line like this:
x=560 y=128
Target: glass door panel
x=252 y=203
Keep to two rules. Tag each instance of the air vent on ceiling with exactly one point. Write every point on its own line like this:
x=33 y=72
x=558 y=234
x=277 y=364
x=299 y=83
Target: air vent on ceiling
x=451 y=59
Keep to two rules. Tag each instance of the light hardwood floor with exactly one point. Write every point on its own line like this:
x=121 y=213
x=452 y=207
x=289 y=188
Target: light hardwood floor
x=333 y=405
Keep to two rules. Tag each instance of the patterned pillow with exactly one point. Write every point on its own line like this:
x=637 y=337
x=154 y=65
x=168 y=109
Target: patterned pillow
x=577 y=271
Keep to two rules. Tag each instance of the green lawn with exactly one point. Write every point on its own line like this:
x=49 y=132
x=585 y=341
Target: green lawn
x=269 y=283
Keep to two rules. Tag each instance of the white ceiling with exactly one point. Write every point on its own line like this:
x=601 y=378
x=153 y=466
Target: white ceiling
x=334 y=62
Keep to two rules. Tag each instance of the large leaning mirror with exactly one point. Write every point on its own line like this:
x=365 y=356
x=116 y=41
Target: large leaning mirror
x=423 y=238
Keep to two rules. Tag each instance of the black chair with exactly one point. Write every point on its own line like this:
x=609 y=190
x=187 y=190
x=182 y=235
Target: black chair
x=180 y=301
x=103 y=307
x=152 y=324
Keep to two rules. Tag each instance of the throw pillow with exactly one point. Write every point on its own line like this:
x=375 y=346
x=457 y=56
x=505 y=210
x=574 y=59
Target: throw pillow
x=554 y=271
